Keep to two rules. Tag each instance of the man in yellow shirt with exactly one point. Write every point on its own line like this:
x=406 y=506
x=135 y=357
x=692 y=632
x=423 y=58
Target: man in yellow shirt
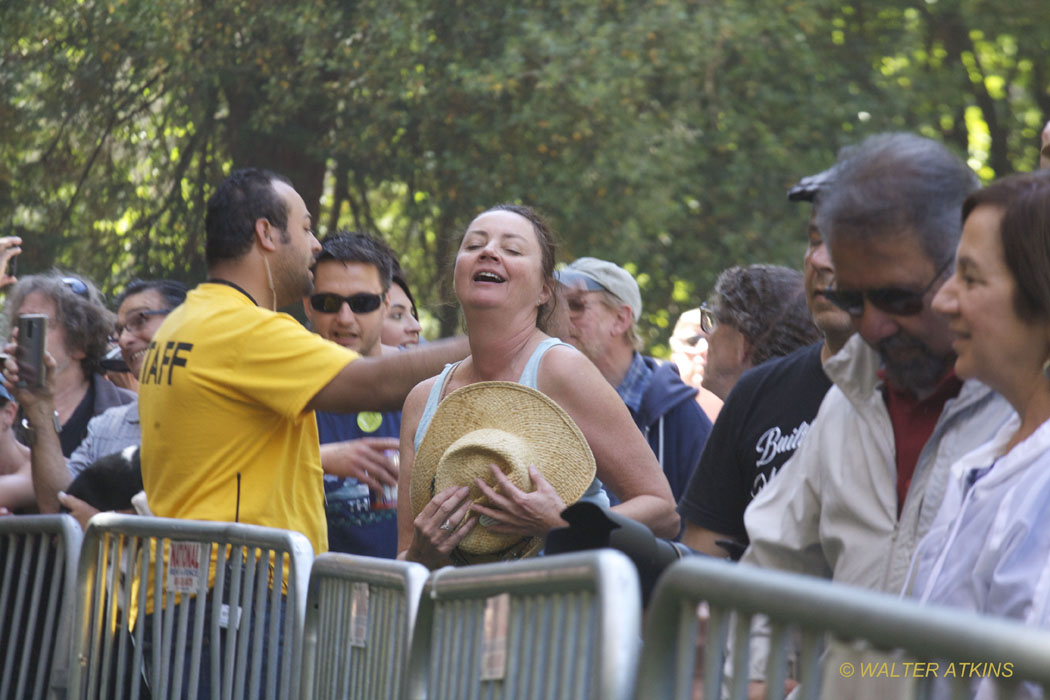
x=229 y=386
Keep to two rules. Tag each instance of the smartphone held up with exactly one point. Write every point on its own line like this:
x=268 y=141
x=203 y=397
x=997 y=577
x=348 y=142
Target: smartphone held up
x=32 y=332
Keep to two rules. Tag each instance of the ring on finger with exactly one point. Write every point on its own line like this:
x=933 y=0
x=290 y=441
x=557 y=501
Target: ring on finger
x=447 y=525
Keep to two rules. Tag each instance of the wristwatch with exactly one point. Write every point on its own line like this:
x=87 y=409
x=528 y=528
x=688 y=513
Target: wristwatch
x=30 y=432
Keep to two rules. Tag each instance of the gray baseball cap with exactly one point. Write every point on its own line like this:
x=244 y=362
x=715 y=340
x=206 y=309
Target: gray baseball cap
x=594 y=274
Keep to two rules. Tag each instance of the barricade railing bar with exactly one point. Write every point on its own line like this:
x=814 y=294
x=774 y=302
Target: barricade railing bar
x=360 y=612
x=167 y=608
x=561 y=626
x=38 y=557
x=895 y=631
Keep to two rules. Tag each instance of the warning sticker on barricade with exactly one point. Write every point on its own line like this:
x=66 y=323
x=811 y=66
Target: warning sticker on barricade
x=494 y=638
x=224 y=617
x=187 y=567
x=359 y=615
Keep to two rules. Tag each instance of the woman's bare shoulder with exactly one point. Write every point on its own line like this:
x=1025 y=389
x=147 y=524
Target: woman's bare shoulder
x=563 y=358
x=565 y=369
x=417 y=398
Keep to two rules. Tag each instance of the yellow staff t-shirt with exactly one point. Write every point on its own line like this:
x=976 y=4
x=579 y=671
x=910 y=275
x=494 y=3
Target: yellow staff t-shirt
x=223 y=392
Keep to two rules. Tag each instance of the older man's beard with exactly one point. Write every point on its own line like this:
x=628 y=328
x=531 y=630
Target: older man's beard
x=911 y=365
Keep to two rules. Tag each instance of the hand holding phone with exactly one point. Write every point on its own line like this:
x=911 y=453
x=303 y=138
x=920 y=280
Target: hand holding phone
x=32 y=334
x=10 y=247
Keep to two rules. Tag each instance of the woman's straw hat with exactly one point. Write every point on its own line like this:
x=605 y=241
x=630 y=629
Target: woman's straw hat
x=513 y=427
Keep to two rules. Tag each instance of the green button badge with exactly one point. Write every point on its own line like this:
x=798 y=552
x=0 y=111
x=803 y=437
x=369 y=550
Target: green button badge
x=369 y=421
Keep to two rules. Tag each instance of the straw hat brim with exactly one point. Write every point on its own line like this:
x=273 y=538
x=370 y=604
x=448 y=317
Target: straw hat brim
x=557 y=446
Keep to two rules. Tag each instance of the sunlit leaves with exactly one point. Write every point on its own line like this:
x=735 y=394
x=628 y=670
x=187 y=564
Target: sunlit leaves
x=660 y=135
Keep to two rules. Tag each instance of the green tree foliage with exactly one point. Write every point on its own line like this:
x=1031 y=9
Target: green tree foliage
x=661 y=135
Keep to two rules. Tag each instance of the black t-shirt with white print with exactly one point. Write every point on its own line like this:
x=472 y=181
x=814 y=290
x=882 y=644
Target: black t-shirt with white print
x=764 y=419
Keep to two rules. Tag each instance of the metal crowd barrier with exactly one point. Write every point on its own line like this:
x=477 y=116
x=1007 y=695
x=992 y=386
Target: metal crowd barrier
x=360 y=612
x=155 y=617
x=561 y=626
x=38 y=566
x=924 y=650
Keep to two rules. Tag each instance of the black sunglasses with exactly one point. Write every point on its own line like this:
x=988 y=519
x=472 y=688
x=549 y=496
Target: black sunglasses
x=362 y=303
x=891 y=300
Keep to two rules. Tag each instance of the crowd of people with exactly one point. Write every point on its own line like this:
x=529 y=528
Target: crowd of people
x=879 y=418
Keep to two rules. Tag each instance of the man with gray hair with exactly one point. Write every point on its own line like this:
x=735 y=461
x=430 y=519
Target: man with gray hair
x=598 y=307
x=865 y=484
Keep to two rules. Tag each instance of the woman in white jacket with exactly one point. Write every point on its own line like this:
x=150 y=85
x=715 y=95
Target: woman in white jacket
x=989 y=547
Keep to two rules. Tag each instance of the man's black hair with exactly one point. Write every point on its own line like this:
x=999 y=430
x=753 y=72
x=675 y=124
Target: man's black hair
x=172 y=292
x=357 y=247
x=239 y=201
x=110 y=482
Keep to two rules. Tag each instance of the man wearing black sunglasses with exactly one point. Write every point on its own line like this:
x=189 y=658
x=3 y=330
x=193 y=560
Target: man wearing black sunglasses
x=229 y=387
x=359 y=451
x=864 y=485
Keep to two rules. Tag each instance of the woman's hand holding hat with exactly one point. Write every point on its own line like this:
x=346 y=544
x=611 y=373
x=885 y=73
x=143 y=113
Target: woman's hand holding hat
x=441 y=526
x=516 y=512
x=522 y=458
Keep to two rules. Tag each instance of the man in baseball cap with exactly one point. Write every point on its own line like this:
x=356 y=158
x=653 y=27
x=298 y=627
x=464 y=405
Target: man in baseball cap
x=770 y=407
x=597 y=312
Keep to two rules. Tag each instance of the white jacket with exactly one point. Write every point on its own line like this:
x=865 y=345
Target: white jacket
x=988 y=550
x=989 y=547
x=832 y=510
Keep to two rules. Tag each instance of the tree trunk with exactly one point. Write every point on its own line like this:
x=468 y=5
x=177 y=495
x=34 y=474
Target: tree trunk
x=284 y=150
